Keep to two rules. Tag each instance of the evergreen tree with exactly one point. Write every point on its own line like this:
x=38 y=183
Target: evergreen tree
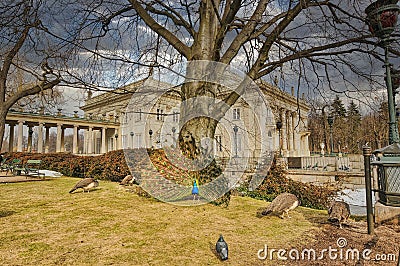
x=338 y=107
x=353 y=113
x=353 y=128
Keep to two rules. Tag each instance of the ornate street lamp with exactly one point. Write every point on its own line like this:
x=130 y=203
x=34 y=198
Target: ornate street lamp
x=330 y=123
x=235 y=130
x=279 y=127
x=382 y=20
x=132 y=134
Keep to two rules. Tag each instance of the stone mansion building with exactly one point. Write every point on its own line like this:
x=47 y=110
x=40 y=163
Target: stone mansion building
x=138 y=128
x=108 y=126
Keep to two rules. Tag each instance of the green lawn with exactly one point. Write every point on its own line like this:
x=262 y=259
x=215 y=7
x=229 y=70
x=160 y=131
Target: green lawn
x=42 y=224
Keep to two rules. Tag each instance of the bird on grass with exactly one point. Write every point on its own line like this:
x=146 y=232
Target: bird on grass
x=86 y=184
x=282 y=204
x=222 y=248
x=339 y=211
x=195 y=189
x=128 y=180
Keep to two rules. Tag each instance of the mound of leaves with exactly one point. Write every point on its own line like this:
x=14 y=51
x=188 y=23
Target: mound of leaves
x=276 y=182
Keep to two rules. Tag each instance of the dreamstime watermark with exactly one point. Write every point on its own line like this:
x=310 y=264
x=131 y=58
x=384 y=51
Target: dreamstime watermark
x=339 y=252
x=158 y=111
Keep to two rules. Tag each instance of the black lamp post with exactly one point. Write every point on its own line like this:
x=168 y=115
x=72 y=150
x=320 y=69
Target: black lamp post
x=132 y=134
x=330 y=123
x=116 y=141
x=151 y=134
x=279 y=127
x=382 y=20
x=235 y=130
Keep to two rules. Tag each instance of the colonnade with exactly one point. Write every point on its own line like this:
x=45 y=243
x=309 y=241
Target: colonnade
x=42 y=124
x=294 y=134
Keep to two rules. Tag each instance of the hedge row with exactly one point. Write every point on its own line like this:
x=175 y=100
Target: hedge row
x=110 y=166
x=113 y=166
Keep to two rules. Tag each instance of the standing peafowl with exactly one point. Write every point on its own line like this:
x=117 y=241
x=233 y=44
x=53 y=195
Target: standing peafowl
x=195 y=189
x=86 y=184
x=128 y=180
x=339 y=211
x=222 y=248
x=282 y=204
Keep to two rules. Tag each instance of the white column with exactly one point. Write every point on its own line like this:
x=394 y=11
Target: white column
x=47 y=140
x=290 y=132
x=297 y=136
x=11 y=138
x=59 y=133
x=90 y=140
x=30 y=133
x=62 y=139
x=75 y=140
x=40 y=138
x=119 y=141
x=20 y=135
x=103 y=140
x=307 y=147
x=284 y=133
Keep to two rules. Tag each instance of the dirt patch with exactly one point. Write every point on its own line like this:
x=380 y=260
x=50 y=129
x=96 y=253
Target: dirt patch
x=15 y=179
x=348 y=244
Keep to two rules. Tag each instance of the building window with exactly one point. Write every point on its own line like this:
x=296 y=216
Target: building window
x=236 y=113
x=175 y=116
x=218 y=139
x=139 y=115
x=138 y=140
x=160 y=114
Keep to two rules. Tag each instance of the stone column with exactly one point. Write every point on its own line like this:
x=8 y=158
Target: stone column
x=30 y=133
x=307 y=147
x=296 y=135
x=59 y=133
x=103 y=140
x=11 y=139
x=284 y=133
x=20 y=135
x=90 y=140
x=119 y=141
x=75 y=140
x=62 y=139
x=47 y=140
x=40 y=138
x=290 y=132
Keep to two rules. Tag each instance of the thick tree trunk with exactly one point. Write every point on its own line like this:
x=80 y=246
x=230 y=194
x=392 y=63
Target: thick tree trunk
x=196 y=121
x=196 y=137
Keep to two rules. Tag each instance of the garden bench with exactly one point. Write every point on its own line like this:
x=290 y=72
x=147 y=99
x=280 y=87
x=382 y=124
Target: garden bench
x=3 y=165
x=31 y=167
x=15 y=167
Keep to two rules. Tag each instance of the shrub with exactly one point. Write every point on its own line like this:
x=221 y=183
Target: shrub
x=276 y=182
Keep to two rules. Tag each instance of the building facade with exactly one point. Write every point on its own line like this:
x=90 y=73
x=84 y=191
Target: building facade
x=113 y=121
x=158 y=125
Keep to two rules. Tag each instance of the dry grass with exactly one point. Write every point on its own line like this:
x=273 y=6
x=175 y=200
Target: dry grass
x=42 y=224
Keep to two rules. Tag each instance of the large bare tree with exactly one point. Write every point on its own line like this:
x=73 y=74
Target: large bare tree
x=26 y=66
x=319 y=44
